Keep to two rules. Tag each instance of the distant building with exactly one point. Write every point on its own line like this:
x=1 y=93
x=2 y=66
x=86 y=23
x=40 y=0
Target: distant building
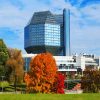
x=69 y=63
x=47 y=32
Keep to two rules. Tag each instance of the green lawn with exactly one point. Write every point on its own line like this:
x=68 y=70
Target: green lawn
x=50 y=96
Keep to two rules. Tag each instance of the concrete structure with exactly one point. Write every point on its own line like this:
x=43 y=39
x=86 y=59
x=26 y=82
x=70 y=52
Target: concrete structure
x=70 y=63
x=47 y=32
x=86 y=61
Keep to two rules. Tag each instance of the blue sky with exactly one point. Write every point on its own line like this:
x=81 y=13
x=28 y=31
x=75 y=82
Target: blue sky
x=85 y=21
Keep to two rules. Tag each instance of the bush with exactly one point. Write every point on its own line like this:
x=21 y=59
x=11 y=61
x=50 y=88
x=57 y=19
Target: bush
x=4 y=84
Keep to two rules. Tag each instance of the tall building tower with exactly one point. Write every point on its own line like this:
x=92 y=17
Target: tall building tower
x=42 y=34
x=66 y=25
x=47 y=32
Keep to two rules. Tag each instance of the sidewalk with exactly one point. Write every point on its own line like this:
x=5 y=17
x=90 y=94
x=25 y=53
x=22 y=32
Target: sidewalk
x=73 y=91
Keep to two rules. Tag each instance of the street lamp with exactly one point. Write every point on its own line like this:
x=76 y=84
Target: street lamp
x=15 y=83
x=2 y=82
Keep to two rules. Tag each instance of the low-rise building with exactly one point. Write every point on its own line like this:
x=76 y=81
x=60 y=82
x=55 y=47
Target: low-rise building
x=69 y=63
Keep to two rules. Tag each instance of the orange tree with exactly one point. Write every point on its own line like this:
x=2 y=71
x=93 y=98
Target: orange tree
x=41 y=76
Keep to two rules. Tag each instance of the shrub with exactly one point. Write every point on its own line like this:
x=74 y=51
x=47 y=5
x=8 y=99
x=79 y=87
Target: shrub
x=91 y=81
x=4 y=84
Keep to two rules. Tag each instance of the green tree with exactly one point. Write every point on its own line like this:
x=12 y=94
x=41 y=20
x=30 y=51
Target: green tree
x=3 y=57
x=14 y=66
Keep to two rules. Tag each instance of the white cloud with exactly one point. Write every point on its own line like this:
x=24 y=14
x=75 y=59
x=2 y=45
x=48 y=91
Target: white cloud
x=84 y=34
x=85 y=30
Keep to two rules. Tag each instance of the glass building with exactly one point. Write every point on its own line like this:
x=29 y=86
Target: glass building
x=47 y=32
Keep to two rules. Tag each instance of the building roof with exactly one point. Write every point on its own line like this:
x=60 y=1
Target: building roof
x=59 y=18
x=43 y=17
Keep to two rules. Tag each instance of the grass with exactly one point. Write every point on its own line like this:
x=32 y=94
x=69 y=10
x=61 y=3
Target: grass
x=95 y=96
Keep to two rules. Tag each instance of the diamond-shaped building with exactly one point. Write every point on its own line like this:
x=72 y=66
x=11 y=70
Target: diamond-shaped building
x=47 y=32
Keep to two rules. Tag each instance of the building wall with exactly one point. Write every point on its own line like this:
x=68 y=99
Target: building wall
x=67 y=63
x=42 y=34
x=59 y=19
x=52 y=34
x=80 y=62
x=64 y=63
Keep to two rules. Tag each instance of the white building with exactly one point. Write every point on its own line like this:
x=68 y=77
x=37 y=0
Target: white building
x=84 y=62
x=69 y=63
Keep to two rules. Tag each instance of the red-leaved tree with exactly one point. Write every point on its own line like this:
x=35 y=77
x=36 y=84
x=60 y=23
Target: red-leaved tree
x=42 y=73
x=60 y=83
x=58 y=86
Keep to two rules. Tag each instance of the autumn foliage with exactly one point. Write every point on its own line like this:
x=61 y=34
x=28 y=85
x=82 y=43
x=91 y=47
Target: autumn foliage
x=60 y=83
x=58 y=86
x=91 y=81
x=42 y=74
x=14 y=66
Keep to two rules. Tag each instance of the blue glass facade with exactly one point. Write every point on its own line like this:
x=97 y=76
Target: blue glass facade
x=52 y=35
x=59 y=19
x=42 y=35
x=34 y=35
x=47 y=32
x=27 y=63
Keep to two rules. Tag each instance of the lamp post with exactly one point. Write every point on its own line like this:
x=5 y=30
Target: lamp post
x=2 y=82
x=15 y=79
x=15 y=84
